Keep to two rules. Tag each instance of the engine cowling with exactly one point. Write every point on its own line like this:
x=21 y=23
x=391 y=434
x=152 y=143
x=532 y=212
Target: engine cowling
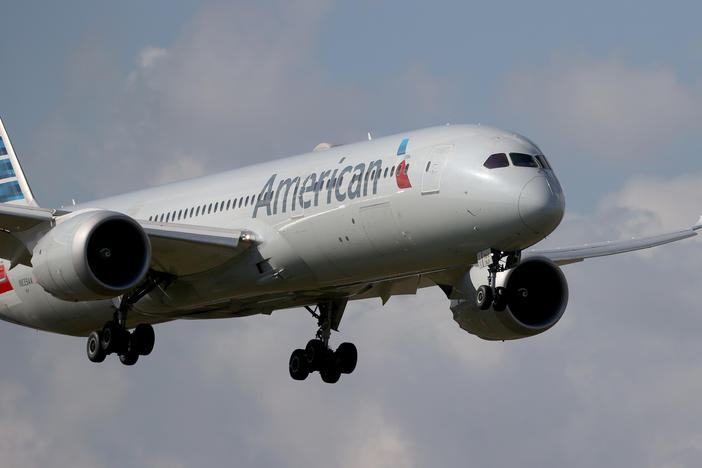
x=537 y=295
x=90 y=255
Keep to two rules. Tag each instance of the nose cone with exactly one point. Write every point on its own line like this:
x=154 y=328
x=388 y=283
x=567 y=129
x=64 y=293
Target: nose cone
x=540 y=207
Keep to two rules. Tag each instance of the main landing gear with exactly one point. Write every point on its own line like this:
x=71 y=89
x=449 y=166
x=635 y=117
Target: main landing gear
x=114 y=336
x=317 y=356
x=490 y=294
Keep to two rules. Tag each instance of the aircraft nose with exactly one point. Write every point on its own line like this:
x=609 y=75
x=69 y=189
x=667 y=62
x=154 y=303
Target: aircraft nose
x=540 y=207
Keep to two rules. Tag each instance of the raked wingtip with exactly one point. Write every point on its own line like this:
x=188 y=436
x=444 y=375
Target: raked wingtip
x=697 y=225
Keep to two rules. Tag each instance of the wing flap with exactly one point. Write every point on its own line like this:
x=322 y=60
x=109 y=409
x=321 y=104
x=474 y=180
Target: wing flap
x=566 y=255
x=183 y=249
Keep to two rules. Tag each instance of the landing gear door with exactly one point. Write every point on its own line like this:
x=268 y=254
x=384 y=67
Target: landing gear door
x=434 y=168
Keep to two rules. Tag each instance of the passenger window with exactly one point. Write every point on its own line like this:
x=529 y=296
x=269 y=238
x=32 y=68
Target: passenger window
x=215 y=207
x=392 y=171
x=229 y=202
x=241 y=200
x=496 y=160
x=406 y=168
x=385 y=174
x=180 y=213
x=429 y=164
x=523 y=160
x=191 y=212
x=209 y=209
x=246 y=202
x=168 y=216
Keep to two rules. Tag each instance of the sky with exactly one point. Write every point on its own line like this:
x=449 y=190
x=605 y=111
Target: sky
x=104 y=98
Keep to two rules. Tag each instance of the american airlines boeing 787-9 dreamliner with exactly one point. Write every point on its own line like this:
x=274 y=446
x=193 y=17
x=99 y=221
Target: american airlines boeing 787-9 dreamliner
x=453 y=206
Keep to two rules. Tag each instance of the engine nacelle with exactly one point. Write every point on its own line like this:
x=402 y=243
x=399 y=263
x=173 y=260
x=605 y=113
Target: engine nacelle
x=537 y=295
x=92 y=254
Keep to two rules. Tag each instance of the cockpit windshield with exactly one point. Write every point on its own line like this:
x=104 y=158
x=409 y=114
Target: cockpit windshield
x=543 y=161
x=518 y=159
x=496 y=160
x=523 y=160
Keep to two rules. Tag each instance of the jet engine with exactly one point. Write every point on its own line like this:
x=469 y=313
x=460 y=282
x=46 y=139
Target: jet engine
x=90 y=255
x=536 y=295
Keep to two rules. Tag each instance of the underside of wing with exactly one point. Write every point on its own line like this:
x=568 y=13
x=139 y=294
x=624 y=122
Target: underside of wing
x=566 y=255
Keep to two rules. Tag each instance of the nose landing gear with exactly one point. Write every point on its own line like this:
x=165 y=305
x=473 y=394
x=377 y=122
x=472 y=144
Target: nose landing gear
x=490 y=294
x=317 y=356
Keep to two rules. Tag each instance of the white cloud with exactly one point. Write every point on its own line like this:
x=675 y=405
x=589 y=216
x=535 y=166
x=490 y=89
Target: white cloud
x=616 y=111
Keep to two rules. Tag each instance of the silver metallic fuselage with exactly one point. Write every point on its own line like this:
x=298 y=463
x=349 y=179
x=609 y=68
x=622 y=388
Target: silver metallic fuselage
x=329 y=241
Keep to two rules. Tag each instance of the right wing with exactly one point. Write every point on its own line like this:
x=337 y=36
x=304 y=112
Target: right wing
x=183 y=249
x=177 y=249
x=566 y=255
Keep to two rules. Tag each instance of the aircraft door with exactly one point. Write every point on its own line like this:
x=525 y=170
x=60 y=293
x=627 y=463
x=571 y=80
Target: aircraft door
x=434 y=168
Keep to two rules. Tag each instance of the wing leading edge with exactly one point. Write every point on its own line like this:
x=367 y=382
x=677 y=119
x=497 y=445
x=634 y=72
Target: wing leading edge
x=566 y=255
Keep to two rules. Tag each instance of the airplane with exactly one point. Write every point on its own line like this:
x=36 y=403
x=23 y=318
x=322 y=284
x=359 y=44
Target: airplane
x=455 y=206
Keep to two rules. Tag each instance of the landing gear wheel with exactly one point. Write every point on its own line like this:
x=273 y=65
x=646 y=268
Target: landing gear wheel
x=483 y=297
x=298 y=365
x=131 y=353
x=499 y=303
x=330 y=372
x=94 y=348
x=110 y=337
x=346 y=357
x=315 y=351
x=144 y=338
x=129 y=359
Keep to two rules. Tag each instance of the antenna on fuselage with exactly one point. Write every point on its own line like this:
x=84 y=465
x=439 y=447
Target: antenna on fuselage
x=369 y=136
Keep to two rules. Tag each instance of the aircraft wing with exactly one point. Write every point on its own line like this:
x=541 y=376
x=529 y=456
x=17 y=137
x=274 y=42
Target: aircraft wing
x=178 y=249
x=18 y=226
x=566 y=255
x=183 y=249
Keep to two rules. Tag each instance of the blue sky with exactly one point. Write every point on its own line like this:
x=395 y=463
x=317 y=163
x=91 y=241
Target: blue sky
x=104 y=98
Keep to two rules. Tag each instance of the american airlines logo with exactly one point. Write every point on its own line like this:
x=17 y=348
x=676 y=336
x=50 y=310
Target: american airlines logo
x=303 y=192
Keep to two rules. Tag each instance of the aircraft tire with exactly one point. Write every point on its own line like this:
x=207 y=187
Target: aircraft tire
x=95 y=351
x=346 y=357
x=110 y=337
x=130 y=355
x=314 y=352
x=499 y=303
x=330 y=373
x=483 y=297
x=144 y=338
x=298 y=365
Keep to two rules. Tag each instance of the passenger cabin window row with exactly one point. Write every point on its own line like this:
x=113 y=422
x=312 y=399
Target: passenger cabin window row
x=231 y=204
x=497 y=160
x=204 y=209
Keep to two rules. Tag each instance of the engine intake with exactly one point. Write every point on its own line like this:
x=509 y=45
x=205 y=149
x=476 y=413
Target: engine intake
x=92 y=255
x=537 y=295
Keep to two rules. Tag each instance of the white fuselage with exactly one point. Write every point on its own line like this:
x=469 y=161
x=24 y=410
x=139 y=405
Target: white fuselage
x=329 y=224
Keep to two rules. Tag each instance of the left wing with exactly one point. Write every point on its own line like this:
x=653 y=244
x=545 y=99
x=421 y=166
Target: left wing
x=566 y=255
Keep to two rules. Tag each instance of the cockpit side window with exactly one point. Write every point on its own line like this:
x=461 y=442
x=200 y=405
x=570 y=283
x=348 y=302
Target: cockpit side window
x=543 y=161
x=496 y=160
x=523 y=160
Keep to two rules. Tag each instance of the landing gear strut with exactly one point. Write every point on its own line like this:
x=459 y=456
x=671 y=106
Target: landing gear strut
x=114 y=336
x=317 y=356
x=491 y=294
